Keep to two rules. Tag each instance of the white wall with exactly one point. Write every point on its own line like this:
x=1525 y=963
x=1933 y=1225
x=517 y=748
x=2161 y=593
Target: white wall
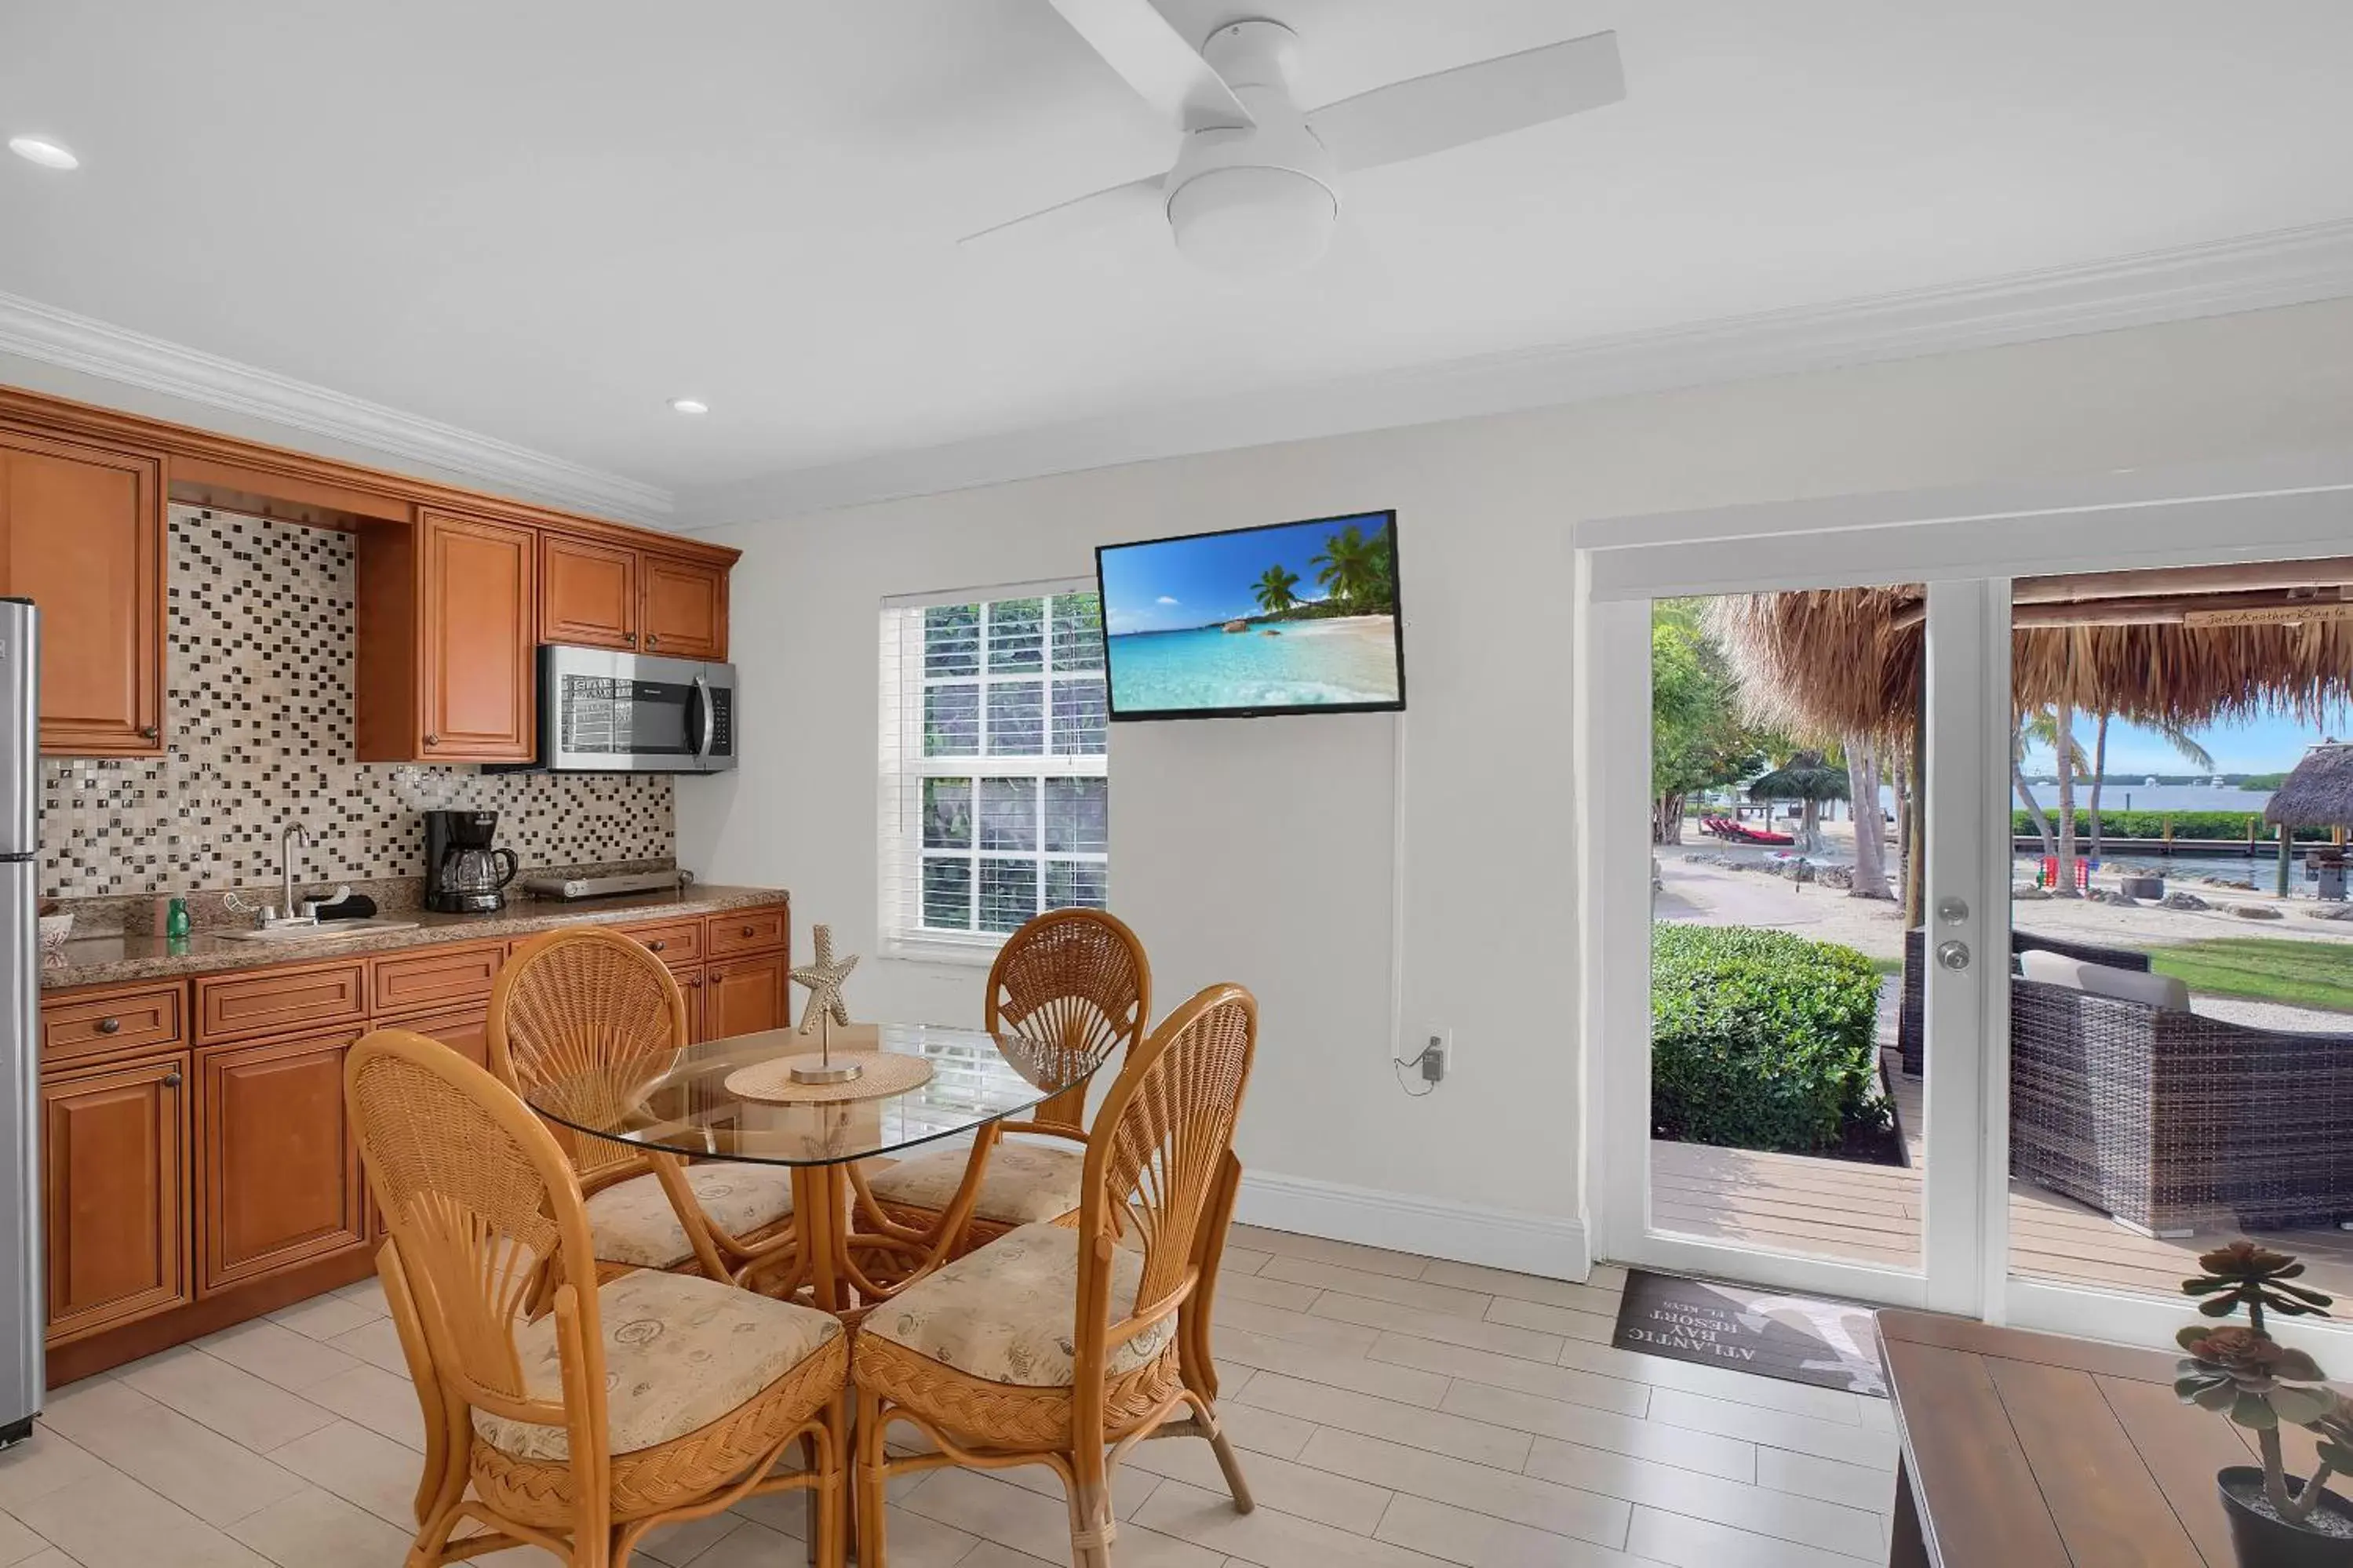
x=1261 y=851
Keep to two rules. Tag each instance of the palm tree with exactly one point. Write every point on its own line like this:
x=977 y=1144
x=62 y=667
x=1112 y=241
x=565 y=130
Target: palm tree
x=1274 y=590
x=1870 y=826
x=2183 y=742
x=2039 y=728
x=1349 y=566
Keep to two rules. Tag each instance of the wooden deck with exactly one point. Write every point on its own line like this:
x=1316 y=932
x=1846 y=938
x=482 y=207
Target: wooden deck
x=1870 y=1214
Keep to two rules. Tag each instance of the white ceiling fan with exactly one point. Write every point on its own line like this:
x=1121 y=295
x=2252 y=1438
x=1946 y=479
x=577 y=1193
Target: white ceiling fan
x=1256 y=188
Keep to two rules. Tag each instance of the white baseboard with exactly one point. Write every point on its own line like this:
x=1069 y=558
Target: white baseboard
x=1434 y=1227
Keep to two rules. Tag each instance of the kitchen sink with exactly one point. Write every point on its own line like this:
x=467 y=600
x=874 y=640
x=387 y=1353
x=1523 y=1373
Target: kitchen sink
x=325 y=931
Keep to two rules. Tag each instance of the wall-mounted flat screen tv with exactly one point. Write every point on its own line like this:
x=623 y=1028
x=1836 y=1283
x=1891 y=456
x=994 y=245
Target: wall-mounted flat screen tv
x=1293 y=617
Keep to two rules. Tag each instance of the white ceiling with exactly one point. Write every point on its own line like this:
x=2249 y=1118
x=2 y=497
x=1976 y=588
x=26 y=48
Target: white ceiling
x=538 y=220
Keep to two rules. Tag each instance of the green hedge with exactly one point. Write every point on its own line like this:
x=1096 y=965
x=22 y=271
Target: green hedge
x=1760 y=1039
x=2230 y=825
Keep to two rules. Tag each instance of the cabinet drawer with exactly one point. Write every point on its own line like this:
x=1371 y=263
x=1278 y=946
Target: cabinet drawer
x=747 y=930
x=235 y=1006
x=434 y=977
x=680 y=942
x=112 y=1023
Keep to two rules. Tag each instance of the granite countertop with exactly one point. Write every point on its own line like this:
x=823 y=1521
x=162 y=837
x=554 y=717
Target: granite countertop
x=113 y=960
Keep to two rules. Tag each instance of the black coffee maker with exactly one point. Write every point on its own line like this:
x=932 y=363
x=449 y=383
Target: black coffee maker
x=463 y=872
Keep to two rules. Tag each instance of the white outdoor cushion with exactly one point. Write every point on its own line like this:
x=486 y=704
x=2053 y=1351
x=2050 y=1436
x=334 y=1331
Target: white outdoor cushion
x=680 y=1351
x=2159 y=991
x=633 y=1221
x=1023 y=1182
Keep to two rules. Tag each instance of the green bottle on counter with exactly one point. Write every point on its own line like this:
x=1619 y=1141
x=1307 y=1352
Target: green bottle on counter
x=176 y=923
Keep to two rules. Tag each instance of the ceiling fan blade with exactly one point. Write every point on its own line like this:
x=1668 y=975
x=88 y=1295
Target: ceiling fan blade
x=1470 y=103
x=1083 y=216
x=1165 y=72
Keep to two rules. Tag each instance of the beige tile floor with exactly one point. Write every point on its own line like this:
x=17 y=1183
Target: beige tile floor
x=1394 y=1411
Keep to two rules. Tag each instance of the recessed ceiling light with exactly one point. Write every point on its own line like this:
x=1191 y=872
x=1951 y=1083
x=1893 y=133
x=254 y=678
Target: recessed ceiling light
x=689 y=405
x=40 y=149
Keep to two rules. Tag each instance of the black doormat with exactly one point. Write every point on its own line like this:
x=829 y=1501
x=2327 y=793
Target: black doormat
x=1798 y=1338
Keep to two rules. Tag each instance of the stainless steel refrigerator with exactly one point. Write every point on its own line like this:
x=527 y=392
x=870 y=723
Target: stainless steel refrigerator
x=23 y=1317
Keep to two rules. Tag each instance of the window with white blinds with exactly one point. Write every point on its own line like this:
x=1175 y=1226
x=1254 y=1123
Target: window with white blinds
x=995 y=766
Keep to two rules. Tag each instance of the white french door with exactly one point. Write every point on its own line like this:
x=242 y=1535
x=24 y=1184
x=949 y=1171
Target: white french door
x=1962 y=549
x=1905 y=1234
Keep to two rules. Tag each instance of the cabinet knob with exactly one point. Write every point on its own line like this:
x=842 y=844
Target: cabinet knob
x=432 y=740
x=150 y=732
x=629 y=637
x=747 y=931
x=653 y=640
x=171 y=1079
x=656 y=946
x=109 y=1026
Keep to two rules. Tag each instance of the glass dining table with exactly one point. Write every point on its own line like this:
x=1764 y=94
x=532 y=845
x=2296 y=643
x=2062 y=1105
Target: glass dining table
x=849 y=1254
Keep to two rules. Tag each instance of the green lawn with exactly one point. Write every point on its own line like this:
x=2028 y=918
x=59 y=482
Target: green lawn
x=2303 y=973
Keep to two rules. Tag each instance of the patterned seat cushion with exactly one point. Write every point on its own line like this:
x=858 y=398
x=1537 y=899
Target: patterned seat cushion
x=681 y=1352
x=1005 y=1313
x=633 y=1221
x=1024 y=1182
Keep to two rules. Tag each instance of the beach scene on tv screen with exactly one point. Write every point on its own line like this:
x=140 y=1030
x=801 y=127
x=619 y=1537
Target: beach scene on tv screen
x=1302 y=615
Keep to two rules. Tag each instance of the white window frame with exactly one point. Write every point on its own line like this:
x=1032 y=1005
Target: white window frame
x=903 y=767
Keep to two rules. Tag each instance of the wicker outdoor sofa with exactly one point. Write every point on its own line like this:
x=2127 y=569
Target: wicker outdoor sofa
x=2168 y=1121
x=2172 y=1123
x=1912 y=1033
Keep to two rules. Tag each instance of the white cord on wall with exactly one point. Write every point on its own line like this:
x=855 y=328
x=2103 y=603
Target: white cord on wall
x=1396 y=915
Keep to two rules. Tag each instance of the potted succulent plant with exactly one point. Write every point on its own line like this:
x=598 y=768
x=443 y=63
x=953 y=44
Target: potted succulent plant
x=2241 y=1372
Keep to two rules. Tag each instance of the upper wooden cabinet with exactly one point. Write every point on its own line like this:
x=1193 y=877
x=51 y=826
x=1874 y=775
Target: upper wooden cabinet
x=447 y=622
x=82 y=535
x=595 y=594
x=684 y=607
x=588 y=593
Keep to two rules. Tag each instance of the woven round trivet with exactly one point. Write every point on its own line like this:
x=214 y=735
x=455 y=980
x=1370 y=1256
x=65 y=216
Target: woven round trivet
x=886 y=1073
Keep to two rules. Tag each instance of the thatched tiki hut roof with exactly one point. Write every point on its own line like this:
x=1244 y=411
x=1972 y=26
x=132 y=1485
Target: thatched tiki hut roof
x=1847 y=661
x=2317 y=793
x=1804 y=777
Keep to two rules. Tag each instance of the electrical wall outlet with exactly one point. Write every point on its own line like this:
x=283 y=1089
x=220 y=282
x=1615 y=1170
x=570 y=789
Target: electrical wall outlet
x=1436 y=1055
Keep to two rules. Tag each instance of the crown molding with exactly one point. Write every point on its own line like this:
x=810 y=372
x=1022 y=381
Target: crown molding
x=51 y=336
x=2286 y=267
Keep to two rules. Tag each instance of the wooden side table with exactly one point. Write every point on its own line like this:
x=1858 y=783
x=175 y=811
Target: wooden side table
x=2024 y=1451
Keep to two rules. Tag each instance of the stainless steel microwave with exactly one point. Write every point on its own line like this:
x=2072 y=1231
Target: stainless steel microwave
x=602 y=711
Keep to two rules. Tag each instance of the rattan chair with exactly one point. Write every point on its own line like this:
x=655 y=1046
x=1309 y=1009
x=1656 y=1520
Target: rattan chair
x=657 y=1398
x=585 y=998
x=1069 y=987
x=1045 y=1345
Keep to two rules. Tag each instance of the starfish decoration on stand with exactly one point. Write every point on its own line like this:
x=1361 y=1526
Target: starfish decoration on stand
x=825 y=1007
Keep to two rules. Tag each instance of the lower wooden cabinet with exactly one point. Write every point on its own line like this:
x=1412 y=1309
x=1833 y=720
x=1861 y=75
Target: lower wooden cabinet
x=277 y=1160
x=744 y=996
x=465 y=1030
x=114 y=1172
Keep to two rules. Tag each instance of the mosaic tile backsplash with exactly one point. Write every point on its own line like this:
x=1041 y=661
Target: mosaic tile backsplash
x=258 y=724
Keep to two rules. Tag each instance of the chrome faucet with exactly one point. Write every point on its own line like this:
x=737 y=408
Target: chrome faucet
x=296 y=837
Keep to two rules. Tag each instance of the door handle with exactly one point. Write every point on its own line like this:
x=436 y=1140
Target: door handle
x=1954 y=955
x=705 y=718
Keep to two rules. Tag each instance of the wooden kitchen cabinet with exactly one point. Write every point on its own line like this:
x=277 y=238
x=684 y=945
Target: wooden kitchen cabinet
x=683 y=607
x=465 y=1030
x=588 y=593
x=448 y=619
x=114 y=1179
x=744 y=996
x=82 y=535
x=277 y=1160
